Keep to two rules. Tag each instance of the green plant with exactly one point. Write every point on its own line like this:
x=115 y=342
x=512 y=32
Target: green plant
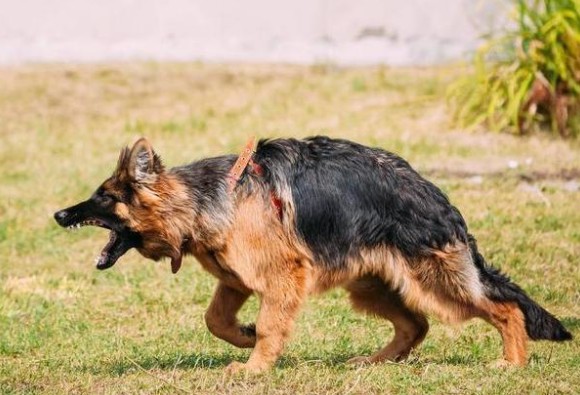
x=528 y=76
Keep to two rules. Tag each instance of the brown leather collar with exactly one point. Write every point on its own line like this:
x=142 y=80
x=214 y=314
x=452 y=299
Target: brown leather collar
x=247 y=158
x=241 y=164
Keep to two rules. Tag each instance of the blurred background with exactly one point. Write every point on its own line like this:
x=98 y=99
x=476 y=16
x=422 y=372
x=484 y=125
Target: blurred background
x=412 y=32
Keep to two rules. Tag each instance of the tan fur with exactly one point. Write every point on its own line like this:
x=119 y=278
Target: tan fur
x=509 y=321
x=250 y=249
x=221 y=316
x=269 y=262
x=444 y=284
x=371 y=295
x=162 y=211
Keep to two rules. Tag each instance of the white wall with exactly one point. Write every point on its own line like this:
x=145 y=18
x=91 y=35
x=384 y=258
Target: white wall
x=303 y=31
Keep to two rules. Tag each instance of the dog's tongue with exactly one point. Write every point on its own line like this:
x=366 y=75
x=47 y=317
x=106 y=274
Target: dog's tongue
x=176 y=263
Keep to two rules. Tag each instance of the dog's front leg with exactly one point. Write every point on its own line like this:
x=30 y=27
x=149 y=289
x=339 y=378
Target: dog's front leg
x=278 y=310
x=221 y=317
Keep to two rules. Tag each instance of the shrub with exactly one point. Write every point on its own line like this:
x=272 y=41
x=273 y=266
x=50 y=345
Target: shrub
x=529 y=76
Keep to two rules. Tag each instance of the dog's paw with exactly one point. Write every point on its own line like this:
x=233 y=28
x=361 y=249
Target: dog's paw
x=503 y=364
x=235 y=368
x=360 y=361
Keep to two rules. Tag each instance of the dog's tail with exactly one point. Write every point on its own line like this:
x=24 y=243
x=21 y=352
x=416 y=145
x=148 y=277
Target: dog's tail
x=540 y=324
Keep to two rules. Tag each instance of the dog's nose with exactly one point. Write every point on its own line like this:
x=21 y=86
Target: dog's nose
x=60 y=216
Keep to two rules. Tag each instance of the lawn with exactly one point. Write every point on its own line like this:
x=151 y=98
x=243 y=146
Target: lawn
x=136 y=328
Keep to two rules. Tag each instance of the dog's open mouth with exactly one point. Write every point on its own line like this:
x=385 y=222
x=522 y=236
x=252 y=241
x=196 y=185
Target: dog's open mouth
x=120 y=241
x=117 y=246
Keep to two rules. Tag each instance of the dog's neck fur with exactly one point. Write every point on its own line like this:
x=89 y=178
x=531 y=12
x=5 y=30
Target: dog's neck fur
x=205 y=205
x=192 y=207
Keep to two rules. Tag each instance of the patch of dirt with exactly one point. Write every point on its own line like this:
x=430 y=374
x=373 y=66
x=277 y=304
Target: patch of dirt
x=528 y=176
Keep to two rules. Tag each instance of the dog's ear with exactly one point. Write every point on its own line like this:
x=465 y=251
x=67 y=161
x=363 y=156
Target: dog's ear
x=143 y=164
x=123 y=161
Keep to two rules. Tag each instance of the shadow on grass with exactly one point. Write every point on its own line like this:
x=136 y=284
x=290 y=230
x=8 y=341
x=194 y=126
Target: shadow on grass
x=127 y=364
x=336 y=360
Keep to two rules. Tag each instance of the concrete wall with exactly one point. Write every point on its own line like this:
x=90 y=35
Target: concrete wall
x=395 y=32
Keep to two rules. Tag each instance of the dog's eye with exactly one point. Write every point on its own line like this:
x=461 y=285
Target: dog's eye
x=107 y=200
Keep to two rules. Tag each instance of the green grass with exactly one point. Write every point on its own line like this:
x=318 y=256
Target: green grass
x=136 y=328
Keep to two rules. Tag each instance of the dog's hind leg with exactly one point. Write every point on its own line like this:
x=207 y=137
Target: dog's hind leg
x=449 y=285
x=373 y=296
x=509 y=321
x=221 y=317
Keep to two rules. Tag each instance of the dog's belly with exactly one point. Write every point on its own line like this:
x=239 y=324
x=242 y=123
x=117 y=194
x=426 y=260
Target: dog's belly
x=211 y=264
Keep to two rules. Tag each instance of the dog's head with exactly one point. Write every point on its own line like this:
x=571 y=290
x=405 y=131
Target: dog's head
x=125 y=204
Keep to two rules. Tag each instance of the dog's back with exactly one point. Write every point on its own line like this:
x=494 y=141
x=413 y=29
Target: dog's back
x=348 y=196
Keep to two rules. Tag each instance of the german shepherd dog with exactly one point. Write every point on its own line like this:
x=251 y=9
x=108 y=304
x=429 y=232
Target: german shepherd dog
x=301 y=217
